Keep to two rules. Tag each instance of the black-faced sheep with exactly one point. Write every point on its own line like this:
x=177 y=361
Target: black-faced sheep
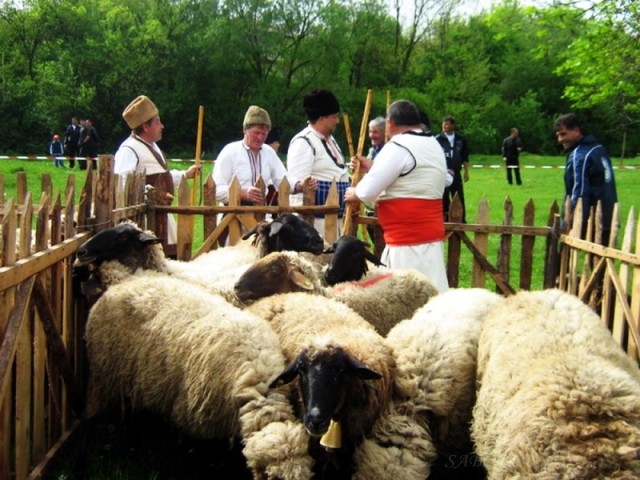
x=436 y=357
x=170 y=347
x=344 y=368
x=216 y=270
x=383 y=298
x=557 y=398
x=349 y=262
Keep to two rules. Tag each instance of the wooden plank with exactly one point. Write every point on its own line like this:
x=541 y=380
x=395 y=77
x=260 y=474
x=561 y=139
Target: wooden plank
x=526 y=251
x=622 y=299
x=9 y=225
x=56 y=346
x=209 y=199
x=503 y=263
x=635 y=289
x=26 y=220
x=43 y=231
x=503 y=287
x=331 y=219
x=21 y=187
x=620 y=327
x=552 y=256
x=234 y=234
x=308 y=199
x=24 y=393
x=39 y=390
x=481 y=241
x=454 y=250
x=576 y=232
x=45 y=461
x=104 y=193
x=10 y=338
x=11 y=276
x=184 y=223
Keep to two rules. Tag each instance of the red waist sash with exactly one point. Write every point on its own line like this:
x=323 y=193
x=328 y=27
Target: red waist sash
x=410 y=221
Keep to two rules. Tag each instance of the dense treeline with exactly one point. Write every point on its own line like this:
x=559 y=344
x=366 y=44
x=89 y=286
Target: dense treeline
x=510 y=66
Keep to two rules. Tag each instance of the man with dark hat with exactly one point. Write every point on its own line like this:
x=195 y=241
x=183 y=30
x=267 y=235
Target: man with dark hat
x=248 y=159
x=314 y=154
x=140 y=153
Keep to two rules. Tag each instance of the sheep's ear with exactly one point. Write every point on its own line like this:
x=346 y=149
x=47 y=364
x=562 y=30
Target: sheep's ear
x=300 y=280
x=146 y=238
x=373 y=259
x=288 y=375
x=275 y=227
x=360 y=370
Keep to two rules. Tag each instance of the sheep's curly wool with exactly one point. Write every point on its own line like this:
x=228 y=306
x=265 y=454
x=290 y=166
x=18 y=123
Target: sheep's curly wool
x=171 y=347
x=557 y=398
x=436 y=354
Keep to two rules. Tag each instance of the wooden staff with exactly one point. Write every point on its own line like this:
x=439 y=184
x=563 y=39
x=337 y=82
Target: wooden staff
x=355 y=178
x=196 y=178
x=386 y=131
x=347 y=129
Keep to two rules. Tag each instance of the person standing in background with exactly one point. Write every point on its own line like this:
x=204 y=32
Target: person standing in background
x=56 y=150
x=511 y=148
x=314 y=155
x=456 y=151
x=588 y=174
x=89 y=144
x=82 y=132
x=71 y=140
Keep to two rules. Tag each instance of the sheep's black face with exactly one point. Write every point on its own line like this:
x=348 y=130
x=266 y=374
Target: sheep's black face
x=121 y=241
x=324 y=382
x=349 y=262
x=290 y=232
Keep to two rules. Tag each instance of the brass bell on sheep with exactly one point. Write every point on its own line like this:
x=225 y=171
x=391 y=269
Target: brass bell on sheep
x=333 y=436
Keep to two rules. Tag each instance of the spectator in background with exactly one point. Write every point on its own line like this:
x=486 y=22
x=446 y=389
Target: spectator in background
x=588 y=174
x=456 y=151
x=314 y=155
x=248 y=159
x=71 y=140
x=407 y=181
x=81 y=136
x=511 y=148
x=89 y=144
x=140 y=153
x=56 y=150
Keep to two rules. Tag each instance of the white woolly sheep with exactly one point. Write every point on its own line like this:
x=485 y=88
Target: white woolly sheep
x=436 y=353
x=557 y=397
x=344 y=366
x=383 y=298
x=173 y=348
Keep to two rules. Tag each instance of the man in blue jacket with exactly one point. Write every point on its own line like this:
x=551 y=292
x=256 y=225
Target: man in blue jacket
x=588 y=174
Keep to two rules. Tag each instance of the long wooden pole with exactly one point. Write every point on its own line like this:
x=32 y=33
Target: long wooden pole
x=355 y=178
x=386 y=132
x=347 y=129
x=196 y=178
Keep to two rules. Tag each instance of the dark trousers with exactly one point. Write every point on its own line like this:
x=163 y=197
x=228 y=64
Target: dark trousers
x=449 y=193
x=513 y=165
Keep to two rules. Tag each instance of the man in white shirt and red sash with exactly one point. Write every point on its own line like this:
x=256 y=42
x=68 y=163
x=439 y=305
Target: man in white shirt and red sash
x=407 y=182
x=140 y=153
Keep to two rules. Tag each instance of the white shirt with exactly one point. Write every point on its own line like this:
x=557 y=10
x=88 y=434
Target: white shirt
x=421 y=156
x=126 y=161
x=236 y=159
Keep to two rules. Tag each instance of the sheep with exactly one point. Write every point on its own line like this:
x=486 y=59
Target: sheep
x=349 y=262
x=164 y=345
x=134 y=249
x=344 y=366
x=383 y=298
x=435 y=354
x=557 y=397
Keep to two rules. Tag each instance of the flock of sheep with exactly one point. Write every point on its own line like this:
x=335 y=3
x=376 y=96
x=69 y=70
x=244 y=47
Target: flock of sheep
x=326 y=365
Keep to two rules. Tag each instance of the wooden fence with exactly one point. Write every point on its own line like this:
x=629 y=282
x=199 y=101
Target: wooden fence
x=42 y=363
